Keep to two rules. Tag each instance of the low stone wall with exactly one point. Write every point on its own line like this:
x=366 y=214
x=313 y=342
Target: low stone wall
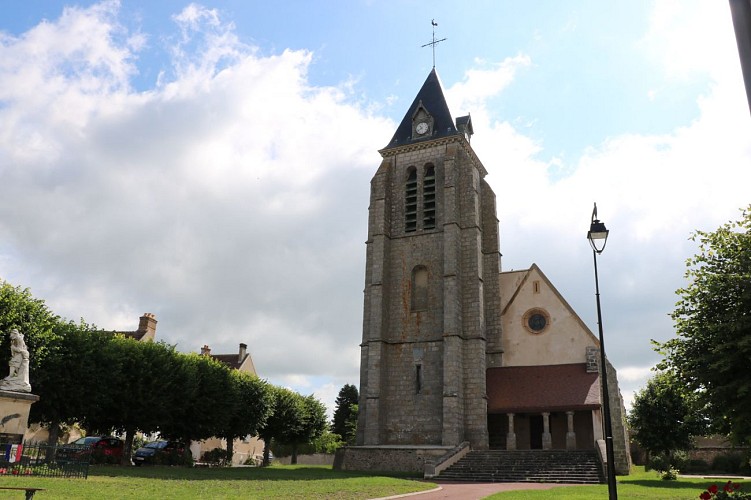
x=388 y=458
x=708 y=454
x=314 y=459
x=448 y=459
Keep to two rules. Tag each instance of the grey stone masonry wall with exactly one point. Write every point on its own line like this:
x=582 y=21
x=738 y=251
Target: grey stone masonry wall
x=387 y=458
x=491 y=278
x=593 y=359
x=621 y=450
x=422 y=375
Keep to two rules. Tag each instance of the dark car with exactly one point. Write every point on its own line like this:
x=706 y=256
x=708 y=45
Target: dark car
x=96 y=446
x=162 y=452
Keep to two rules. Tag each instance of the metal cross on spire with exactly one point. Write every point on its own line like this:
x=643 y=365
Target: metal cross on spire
x=434 y=42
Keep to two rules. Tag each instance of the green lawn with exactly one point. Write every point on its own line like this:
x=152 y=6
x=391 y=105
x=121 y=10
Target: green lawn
x=217 y=483
x=638 y=485
x=312 y=482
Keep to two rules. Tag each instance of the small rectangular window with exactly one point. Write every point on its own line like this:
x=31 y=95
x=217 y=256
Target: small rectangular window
x=418 y=378
x=429 y=198
x=410 y=201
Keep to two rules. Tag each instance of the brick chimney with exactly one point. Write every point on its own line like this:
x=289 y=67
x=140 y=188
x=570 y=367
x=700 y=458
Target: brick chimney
x=241 y=356
x=147 y=327
x=205 y=350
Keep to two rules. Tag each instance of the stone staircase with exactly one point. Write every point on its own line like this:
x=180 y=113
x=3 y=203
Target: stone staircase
x=527 y=466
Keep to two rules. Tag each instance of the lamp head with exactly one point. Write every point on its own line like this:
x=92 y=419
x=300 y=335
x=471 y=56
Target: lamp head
x=597 y=233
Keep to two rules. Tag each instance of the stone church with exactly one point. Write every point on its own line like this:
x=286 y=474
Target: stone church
x=456 y=353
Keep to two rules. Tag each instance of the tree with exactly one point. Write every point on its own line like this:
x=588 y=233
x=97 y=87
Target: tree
x=58 y=354
x=345 y=412
x=665 y=415
x=713 y=321
x=72 y=379
x=351 y=427
x=252 y=401
x=328 y=442
x=140 y=391
x=203 y=409
x=307 y=425
x=19 y=309
x=285 y=407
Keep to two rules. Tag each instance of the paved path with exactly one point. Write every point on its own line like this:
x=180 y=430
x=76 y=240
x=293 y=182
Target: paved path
x=474 y=491
x=477 y=491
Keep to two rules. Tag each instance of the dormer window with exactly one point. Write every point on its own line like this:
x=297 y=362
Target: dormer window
x=464 y=126
x=422 y=123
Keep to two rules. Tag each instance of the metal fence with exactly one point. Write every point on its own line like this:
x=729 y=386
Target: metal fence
x=42 y=460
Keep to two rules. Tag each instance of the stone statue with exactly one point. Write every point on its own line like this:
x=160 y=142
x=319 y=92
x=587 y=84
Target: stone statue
x=18 y=378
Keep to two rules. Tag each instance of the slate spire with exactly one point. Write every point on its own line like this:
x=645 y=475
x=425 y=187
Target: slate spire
x=431 y=100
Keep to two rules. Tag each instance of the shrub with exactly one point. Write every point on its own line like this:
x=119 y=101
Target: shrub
x=729 y=462
x=99 y=457
x=138 y=441
x=173 y=457
x=680 y=460
x=697 y=465
x=669 y=475
x=659 y=463
x=218 y=456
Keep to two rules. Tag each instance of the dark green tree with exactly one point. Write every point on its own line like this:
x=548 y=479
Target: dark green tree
x=308 y=424
x=58 y=351
x=71 y=381
x=281 y=423
x=345 y=412
x=351 y=427
x=665 y=416
x=252 y=405
x=713 y=321
x=203 y=409
x=20 y=310
x=139 y=393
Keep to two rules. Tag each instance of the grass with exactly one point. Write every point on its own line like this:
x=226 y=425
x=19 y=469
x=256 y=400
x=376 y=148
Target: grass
x=304 y=482
x=639 y=485
x=219 y=483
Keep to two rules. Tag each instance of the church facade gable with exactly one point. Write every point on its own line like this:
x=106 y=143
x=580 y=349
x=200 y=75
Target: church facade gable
x=540 y=327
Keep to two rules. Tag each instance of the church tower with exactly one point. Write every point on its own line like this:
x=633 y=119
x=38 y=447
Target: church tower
x=432 y=319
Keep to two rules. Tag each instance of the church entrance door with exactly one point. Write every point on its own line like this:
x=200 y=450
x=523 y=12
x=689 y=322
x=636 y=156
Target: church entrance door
x=535 y=432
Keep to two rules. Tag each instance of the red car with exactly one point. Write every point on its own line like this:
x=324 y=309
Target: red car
x=109 y=446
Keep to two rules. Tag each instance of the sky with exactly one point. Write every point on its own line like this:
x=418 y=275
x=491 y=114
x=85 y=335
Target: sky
x=210 y=162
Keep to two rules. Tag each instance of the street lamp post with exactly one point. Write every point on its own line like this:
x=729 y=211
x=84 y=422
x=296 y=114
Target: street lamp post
x=597 y=233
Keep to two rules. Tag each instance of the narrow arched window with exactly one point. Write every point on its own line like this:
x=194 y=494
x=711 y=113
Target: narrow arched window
x=410 y=201
x=428 y=198
x=419 y=288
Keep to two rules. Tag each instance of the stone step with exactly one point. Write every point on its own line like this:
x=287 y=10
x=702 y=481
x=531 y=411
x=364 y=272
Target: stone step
x=580 y=467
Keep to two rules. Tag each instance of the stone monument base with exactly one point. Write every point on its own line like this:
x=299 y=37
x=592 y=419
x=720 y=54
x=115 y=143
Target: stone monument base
x=14 y=415
x=388 y=458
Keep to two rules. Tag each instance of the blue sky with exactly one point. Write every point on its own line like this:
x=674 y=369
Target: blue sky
x=210 y=163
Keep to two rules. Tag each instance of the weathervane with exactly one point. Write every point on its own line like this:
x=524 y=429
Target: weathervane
x=434 y=42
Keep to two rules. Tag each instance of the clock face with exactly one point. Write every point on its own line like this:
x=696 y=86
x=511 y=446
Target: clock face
x=421 y=128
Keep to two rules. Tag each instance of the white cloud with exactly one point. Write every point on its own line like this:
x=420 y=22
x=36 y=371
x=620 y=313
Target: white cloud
x=481 y=83
x=231 y=199
x=652 y=190
x=220 y=200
